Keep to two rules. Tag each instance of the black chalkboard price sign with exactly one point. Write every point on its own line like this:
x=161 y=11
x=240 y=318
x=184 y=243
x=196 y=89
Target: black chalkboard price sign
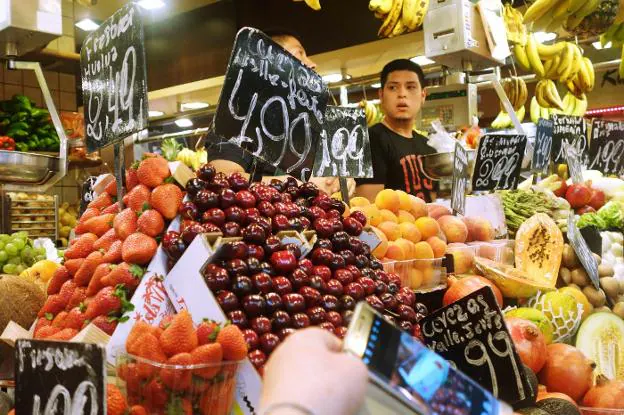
x=543 y=145
x=114 y=79
x=271 y=104
x=59 y=378
x=345 y=147
x=87 y=194
x=606 y=149
x=571 y=129
x=460 y=179
x=583 y=252
x=499 y=158
x=471 y=333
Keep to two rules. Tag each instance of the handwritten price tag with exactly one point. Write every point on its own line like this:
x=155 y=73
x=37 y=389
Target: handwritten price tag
x=606 y=150
x=573 y=159
x=499 y=158
x=460 y=179
x=543 y=145
x=114 y=79
x=573 y=130
x=583 y=252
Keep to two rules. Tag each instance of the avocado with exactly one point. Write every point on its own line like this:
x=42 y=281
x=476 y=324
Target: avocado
x=530 y=391
x=556 y=406
x=532 y=411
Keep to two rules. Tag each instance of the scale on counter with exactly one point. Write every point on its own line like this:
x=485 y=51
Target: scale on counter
x=453 y=105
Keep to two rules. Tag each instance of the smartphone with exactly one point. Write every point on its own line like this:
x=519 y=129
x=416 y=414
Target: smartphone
x=409 y=371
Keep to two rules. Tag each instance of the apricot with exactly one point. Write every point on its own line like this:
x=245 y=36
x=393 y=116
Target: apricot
x=436 y=211
x=380 y=250
x=430 y=277
x=410 y=232
x=405 y=216
x=408 y=247
x=372 y=214
x=479 y=229
x=422 y=250
x=395 y=252
x=427 y=226
x=438 y=246
x=419 y=207
x=388 y=199
x=391 y=229
x=414 y=278
x=359 y=201
x=454 y=228
x=388 y=216
x=405 y=203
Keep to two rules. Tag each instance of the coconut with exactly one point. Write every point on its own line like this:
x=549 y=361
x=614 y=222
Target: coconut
x=20 y=301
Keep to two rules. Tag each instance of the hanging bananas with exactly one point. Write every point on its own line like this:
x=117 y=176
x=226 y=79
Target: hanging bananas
x=551 y=15
x=503 y=120
x=571 y=106
x=399 y=16
x=515 y=28
x=313 y=4
x=516 y=91
x=373 y=115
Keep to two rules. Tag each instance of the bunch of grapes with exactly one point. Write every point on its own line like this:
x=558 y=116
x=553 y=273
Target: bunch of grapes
x=17 y=253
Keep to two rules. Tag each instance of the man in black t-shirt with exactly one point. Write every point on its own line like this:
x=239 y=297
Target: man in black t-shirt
x=395 y=146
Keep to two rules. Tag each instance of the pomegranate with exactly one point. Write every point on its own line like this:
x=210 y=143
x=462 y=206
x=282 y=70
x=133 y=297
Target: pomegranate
x=606 y=394
x=459 y=288
x=567 y=370
x=529 y=342
x=597 y=199
x=543 y=394
x=578 y=195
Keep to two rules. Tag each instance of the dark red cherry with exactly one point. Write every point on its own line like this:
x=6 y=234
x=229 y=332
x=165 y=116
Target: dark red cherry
x=236 y=267
x=389 y=301
x=322 y=271
x=255 y=251
x=293 y=302
x=299 y=278
x=285 y=332
x=260 y=325
x=368 y=284
x=268 y=342
x=245 y=199
x=359 y=216
x=262 y=282
x=188 y=210
x=283 y=261
x=330 y=303
x=323 y=227
x=235 y=214
x=282 y=285
x=242 y=286
x=335 y=288
x=273 y=302
x=238 y=318
x=280 y=320
x=254 y=234
x=206 y=172
x=311 y=296
x=335 y=318
x=238 y=182
x=227 y=198
x=375 y=302
x=352 y=226
x=272 y=244
x=344 y=276
x=194 y=185
x=300 y=321
x=251 y=338
x=266 y=209
x=215 y=216
x=227 y=300
x=231 y=229
x=317 y=315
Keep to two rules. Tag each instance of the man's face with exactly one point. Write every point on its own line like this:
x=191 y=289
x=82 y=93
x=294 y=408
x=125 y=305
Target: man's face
x=295 y=47
x=402 y=96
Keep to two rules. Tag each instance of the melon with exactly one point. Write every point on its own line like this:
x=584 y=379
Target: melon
x=20 y=301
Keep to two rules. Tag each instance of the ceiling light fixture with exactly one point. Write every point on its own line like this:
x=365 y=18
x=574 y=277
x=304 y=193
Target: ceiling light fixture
x=154 y=113
x=183 y=123
x=422 y=60
x=545 y=36
x=332 y=78
x=151 y=4
x=376 y=85
x=598 y=45
x=87 y=25
x=193 y=105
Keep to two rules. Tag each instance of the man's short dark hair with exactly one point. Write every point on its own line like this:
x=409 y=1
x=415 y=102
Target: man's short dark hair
x=402 y=65
x=277 y=33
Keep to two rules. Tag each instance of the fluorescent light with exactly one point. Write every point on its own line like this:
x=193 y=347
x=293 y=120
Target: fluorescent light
x=154 y=113
x=151 y=4
x=87 y=25
x=183 y=122
x=332 y=78
x=194 y=106
x=545 y=36
x=422 y=60
x=598 y=45
x=376 y=85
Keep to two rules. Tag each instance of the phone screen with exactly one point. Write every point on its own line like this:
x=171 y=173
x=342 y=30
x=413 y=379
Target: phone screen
x=420 y=375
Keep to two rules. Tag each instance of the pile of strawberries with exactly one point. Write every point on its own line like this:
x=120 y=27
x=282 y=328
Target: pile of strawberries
x=204 y=376
x=105 y=262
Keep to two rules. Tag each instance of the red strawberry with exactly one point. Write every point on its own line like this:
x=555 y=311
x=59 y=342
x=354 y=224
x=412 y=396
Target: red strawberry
x=75 y=319
x=113 y=255
x=178 y=379
x=153 y=171
x=208 y=354
x=127 y=274
x=166 y=199
x=155 y=394
x=151 y=223
x=138 y=248
x=53 y=305
x=107 y=301
x=88 y=214
x=137 y=198
x=58 y=279
x=207 y=331
x=106 y=240
x=137 y=409
x=86 y=270
x=73 y=265
x=95 y=284
x=128 y=373
x=103 y=201
x=139 y=329
x=47 y=331
x=81 y=246
x=180 y=336
x=125 y=223
x=67 y=291
x=114 y=208
x=63 y=335
x=111 y=187
x=41 y=323
x=59 y=320
x=131 y=178
x=80 y=294
x=149 y=348
x=106 y=324
x=99 y=225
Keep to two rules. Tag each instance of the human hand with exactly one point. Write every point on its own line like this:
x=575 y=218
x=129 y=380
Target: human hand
x=310 y=370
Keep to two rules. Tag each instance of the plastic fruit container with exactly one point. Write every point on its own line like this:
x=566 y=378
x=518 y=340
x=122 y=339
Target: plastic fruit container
x=419 y=274
x=206 y=389
x=601 y=411
x=463 y=257
x=498 y=250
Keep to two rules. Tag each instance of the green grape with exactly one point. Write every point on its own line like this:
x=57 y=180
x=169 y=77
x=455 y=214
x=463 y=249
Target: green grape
x=40 y=258
x=3 y=256
x=2 y=244
x=9 y=269
x=10 y=249
x=5 y=238
x=19 y=269
x=40 y=251
x=19 y=244
x=15 y=260
x=20 y=235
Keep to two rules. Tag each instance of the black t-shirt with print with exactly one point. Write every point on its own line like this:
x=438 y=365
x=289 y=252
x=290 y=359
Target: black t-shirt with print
x=395 y=162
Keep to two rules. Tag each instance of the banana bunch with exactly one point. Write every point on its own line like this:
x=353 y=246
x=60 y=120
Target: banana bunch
x=547 y=95
x=399 y=16
x=503 y=120
x=550 y=15
x=515 y=28
x=614 y=34
x=373 y=115
x=572 y=106
x=516 y=91
x=313 y=4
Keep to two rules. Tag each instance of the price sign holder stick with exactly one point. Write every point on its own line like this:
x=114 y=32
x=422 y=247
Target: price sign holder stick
x=118 y=155
x=344 y=190
x=508 y=107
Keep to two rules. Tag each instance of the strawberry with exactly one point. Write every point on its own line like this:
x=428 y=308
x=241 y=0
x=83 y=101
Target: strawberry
x=41 y=323
x=149 y=348
x=115 y=401
x=211 y=354
x=105 y=241
x=155 y=395
x=166 y=199
x=95 y=284
x=127 y=274
x=233 y=343
x=59 y=320
x=111 y=187
x=80 y=294
x=114 y=208
x=47 y=331
x=108 y=301
x=137 y=410
x=63 y=335
x=178 y=379
x=138 y=248
x=86 y=270
x=151 y=223
x=207 y=331
x=106 y=324
x=67 y=291
x=53 y=305
x=99 y=225
x=81 y=246
x=113 y=255
x=180 y=406
x=180 y=336
x=103 y=201
x=128 y=373
x=75 y=319
x=73 y=265
x=153 y=171
x=139 y=329
x=58 y=279
x=125 y=223
x=88 y=214
x=131 y=178
x=137 y=198
x=217 y=400
x=166 y=321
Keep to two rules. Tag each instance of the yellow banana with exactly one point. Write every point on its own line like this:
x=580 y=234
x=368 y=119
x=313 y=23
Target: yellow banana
x=314 y=4
x=540 y=94
x=521 y=57
x=391 y=19
x=590 y=72
x=380 y=6
x=561 y=9
x=621 y=66
x=413 y=12
x=575 y=5
x=551 y=73
x=575 y=19
x=583 y=77
x=542 y=23
x=399 y=29
x=568 y=103
x=520 y=113
x=534 y=110
x=581 y=106
x=533 y=56
x=544 y=113
x=537 y=10
x=565 y=67
x=524 y=92
x=501 y=120
x=552 y=95
x=546 y=52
